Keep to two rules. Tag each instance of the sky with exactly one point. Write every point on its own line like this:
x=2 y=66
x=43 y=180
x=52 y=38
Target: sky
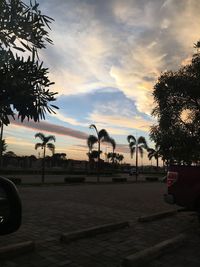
x=106 y=58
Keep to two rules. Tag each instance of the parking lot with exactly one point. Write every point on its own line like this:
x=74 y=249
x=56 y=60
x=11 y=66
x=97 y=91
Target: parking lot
x=49 y=211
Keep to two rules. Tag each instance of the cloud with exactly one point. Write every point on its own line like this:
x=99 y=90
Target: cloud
x=11 y=140
x=117 y=44
x=51 y=128
x=69 y=120
x=123 y=44
x=117 y=124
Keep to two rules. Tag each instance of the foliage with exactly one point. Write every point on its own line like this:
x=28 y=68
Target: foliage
x=3 y=145
x=115 y=157
x=94 y=154
x=154 y=153
x=22 y=28
x=91 y=141
x=177 y=98
x=45 y=141
x=101 y=136
x=10 y=154
x=45 y=144
x=59 y=156
x=136 y=146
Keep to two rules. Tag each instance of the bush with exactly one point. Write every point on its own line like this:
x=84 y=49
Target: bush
x=78 y=179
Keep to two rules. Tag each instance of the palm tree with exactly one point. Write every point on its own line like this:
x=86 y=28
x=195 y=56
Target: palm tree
x=136 y=145
x=113 y=143
x=101 y=136
x=45 y=144
x=154 y=153
x=120 y=157
x=93 y=154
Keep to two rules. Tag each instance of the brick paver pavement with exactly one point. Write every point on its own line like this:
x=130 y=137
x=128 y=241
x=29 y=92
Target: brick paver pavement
x=51 y=210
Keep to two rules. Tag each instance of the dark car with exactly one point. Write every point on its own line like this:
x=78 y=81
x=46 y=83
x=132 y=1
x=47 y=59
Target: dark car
x=10 y=207
x=132 y=171
x=183 y=184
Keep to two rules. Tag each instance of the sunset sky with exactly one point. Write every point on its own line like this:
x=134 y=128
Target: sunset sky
x=106 y=57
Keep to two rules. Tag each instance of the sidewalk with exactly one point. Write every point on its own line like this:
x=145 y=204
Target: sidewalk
x=50 y=211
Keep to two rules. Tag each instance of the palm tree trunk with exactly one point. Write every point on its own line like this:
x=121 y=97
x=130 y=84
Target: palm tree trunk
x=98 y=163
x=43 y=165
x=136 y=164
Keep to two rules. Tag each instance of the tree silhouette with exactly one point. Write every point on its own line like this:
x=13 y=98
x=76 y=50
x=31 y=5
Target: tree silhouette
x=113 y=144
x=45 y=144
x=120 y=157
x=154 y=153
x=110 y=156
x=3 y=145
x=24 y=87
x=177 y=110
x=94 y=154
x=22 y=28
x=101 y=136
x=137 y=146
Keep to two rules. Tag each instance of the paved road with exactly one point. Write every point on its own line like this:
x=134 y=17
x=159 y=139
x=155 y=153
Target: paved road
x=51 y=210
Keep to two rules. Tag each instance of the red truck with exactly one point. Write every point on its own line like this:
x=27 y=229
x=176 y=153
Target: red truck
x=184 y=186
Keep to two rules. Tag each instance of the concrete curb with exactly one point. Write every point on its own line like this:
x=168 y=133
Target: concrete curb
x=92 y=231
x=16 y=249
x=156 y=216
x=141 y=258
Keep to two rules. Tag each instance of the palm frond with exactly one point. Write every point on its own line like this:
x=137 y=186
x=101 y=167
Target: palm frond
x=92 y=126
x=132 y=151
x=151 y=152
x=91 y=141
x=40 y=135
x=113 y=143
x=131 y=138
x=51 y=147
x=141 y=151
x=103 y=134
x=150 y=156
x=38 y=145
x=132 y=144
x=50 y=138
x=142 y=140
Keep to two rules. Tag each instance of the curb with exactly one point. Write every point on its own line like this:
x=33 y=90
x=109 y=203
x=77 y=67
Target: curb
x=156 y=216
x=16 y=249
x=92 y=231
x=141 y=258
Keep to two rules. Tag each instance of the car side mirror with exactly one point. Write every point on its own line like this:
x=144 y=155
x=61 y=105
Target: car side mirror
x=10 y=207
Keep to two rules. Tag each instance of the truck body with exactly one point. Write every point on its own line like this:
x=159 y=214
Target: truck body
x=183 y=184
